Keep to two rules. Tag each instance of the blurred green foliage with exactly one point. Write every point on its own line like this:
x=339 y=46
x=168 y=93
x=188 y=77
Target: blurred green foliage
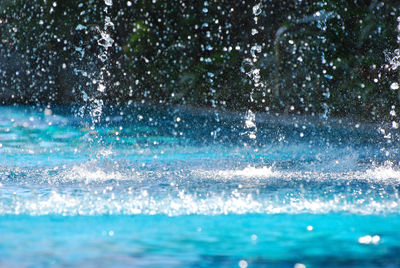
x=325 y=57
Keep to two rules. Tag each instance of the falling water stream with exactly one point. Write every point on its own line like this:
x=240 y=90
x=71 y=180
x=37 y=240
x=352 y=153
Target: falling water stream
x=181 y=186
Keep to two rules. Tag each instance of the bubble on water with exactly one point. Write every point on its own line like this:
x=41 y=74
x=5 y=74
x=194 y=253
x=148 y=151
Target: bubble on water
x=108 y=2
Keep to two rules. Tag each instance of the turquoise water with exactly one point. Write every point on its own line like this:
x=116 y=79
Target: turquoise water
x=188 y=188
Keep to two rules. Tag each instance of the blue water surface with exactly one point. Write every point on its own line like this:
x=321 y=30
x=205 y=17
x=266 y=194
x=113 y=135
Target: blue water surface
x=179 y=187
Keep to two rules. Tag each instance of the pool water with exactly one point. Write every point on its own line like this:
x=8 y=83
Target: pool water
x=179 y=187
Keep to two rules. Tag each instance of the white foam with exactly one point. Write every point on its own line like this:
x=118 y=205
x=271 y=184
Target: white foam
x=91 y=172
x=140 y=194
x=249 y=172
x=144 y=202
x=383 y=173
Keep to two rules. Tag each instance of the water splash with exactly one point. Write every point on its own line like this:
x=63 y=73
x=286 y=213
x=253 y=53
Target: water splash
x=106 y=42
x=91 y=172
x=254 y=74
x=108 y=202
x=93 y=188
x=249 y=172
x=393 y=58
x=250 y=125
x=94 y=100
x=383 y=173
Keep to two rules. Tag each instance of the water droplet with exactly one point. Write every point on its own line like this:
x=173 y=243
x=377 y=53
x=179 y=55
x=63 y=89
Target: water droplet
x=80 y=27
x=101 y=88
x=47 y=112
x=243 y=264
x=85 y=97
x=394 y=86
x=250 y=118
x=369 y=239
x=257 y=9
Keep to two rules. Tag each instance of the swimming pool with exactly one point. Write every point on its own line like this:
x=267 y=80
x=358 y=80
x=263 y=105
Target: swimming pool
x=189 y=188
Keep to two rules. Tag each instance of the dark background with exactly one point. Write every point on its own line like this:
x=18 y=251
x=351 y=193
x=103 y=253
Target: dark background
x=327 y=57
